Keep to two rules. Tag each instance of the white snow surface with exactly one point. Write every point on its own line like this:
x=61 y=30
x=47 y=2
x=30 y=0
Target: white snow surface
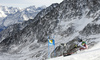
x=11 y=15
x=89 y=54
x=2 y=14
x=79 y=24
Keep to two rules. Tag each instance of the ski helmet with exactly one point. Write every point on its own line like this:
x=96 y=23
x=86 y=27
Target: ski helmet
x=83 y=42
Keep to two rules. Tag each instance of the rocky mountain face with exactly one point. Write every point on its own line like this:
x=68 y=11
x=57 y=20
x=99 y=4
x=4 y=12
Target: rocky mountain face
x=21 y=26
x=66 y=21
x=10 y=15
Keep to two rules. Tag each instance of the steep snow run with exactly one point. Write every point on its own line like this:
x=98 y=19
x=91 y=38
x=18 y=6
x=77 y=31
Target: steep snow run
x=89 y=54
x=69 y=20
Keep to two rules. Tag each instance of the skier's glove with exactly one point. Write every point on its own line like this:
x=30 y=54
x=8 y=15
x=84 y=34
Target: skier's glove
x=75 y=46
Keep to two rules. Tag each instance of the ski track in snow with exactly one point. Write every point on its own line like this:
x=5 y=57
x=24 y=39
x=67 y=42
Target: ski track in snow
x=89 y=54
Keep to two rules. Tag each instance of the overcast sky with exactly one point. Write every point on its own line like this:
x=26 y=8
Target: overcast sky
x=26 y=3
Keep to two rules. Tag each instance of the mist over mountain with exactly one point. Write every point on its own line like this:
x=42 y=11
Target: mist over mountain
x=65 y=21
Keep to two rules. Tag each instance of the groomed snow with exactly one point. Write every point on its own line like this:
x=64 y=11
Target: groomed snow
x=89 y=54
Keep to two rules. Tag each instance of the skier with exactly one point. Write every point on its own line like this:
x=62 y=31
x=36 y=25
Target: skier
x=82 y=44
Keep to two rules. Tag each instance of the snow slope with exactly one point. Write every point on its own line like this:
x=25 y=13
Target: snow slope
x=74 y=21
x=89 y=54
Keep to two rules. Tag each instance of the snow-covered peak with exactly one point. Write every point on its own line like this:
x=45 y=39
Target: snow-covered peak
x=10 y=15
x=31 y=7
x=4 y=11
x=35 y=8
x=2 y=14
x=65 y=21
x=8 y=10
